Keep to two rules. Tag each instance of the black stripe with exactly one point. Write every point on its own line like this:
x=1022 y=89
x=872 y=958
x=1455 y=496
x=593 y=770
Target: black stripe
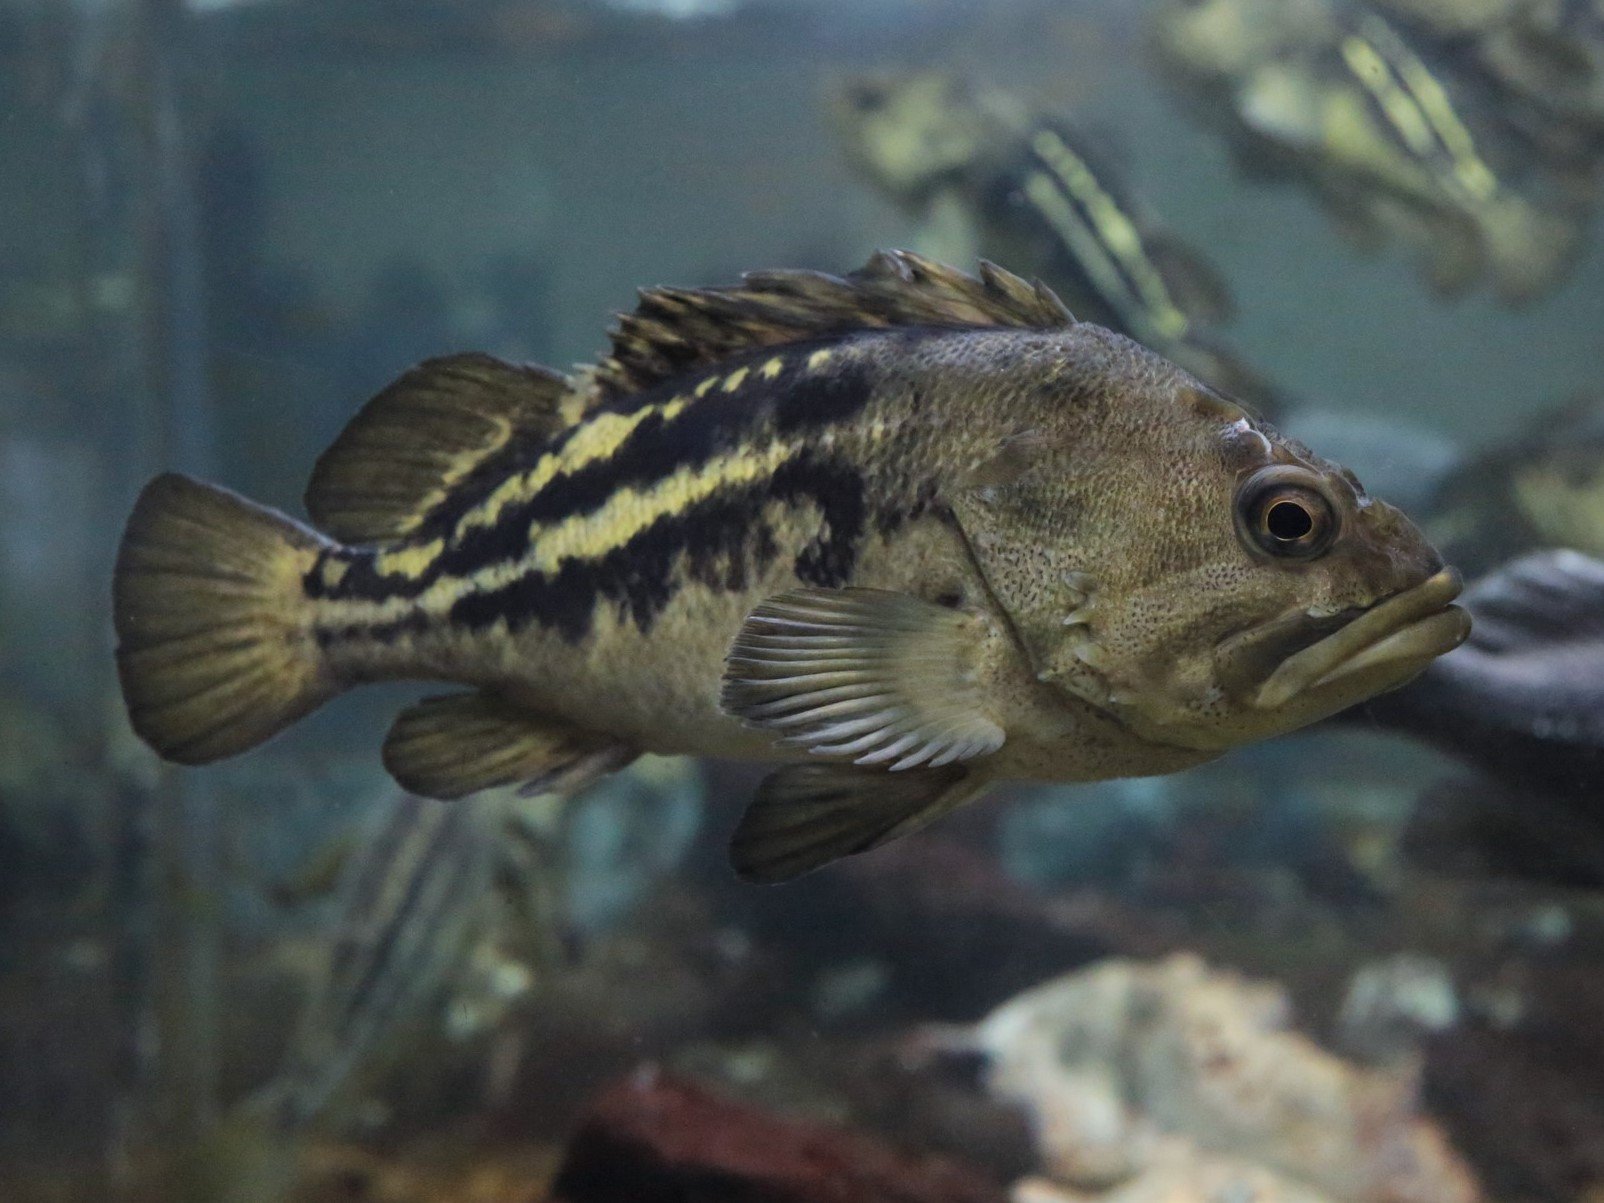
x=712 y=426
x=721 y=542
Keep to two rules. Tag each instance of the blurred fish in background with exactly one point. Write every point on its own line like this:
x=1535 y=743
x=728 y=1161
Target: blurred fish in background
x=439 y=925
x=1541 y=489
x=990 y=177
x=1395 y=136
x=1451 y=18
x=412 y=901
x=1545 y=57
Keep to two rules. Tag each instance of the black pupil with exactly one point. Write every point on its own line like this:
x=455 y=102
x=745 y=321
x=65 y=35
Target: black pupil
x=1288 y=521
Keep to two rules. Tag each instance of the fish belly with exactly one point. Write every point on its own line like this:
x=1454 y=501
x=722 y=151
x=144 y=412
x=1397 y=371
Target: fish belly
x=657 y=684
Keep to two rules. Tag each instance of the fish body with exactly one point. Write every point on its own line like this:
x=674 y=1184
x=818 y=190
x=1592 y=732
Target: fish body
x=1544 y=489
x=910 y=531
x=1333 y=93
x=1548 y=62
x=992 y=177
x=1457 y=18
x=638 y=541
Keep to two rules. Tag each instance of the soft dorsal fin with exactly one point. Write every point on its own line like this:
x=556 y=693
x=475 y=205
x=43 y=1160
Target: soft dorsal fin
x=675 y=330
x=420 y=437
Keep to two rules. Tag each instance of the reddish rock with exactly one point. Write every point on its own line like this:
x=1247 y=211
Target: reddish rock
x=655 y=1139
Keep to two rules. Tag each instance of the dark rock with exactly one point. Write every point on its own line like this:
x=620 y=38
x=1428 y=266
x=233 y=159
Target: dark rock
x=1486 y=828
x=955 y=933
x=1529 y=1124
x=655 y=1139
x=962 y=935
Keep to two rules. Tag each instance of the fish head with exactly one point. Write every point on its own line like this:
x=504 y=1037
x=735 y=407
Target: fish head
x=1208 y=582
x=910 y=132
x=1337 y=597
x=1280 y=594
x=1226 y=39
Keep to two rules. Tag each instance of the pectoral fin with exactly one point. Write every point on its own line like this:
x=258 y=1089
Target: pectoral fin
x=865 y=675
x=807 y=815
x=458 y=744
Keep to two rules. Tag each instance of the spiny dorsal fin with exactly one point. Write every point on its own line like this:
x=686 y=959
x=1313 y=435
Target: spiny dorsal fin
x=420 y=437
x=675 y=330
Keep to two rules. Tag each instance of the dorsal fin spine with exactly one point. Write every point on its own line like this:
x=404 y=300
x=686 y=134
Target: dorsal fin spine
x=675 y=330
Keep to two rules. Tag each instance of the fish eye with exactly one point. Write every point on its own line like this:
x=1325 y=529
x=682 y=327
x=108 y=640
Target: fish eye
x=1279 y=516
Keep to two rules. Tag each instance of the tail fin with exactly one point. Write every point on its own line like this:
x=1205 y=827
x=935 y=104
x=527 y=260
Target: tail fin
x=214 y=642
x=1530 y=249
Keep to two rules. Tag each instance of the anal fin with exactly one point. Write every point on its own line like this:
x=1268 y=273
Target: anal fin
x=807 y=815
x=457 y=744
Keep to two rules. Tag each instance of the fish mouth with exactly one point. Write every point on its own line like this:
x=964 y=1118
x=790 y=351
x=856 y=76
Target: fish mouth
x=1382 y=648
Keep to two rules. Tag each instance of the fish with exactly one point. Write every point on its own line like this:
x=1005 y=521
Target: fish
x=412 y=901
x=992 y=177
x=1548 y=63
x=1544 y=489
x=1456 y=18
x=420 y=895
x=1333 y=94
x=907 y=532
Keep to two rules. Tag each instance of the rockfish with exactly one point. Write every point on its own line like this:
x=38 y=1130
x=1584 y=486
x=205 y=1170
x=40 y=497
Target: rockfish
x=910 y=531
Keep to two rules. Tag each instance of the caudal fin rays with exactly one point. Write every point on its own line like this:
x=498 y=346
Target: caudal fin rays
x=215 y=649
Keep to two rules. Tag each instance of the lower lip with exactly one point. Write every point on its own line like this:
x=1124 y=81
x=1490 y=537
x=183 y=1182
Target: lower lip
x=1409 y=648
x=1410 y=628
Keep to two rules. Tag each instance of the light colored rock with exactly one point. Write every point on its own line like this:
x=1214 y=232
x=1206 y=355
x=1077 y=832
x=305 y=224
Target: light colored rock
x=1392 y=1004
x=1127 y=1067
x=1188 y=1178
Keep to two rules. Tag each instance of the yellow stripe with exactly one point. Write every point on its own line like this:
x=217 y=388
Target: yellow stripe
x=1420 y=110
x=1371 y=70
x=630 y=511
x=1046 y=194
x=334 y=571
x=1472 y=172
x=583 y=537
x=1117 y=232
x=598 y=439
x=409 y=561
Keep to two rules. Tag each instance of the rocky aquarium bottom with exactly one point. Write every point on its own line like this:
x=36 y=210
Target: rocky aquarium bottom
x=515 y=1005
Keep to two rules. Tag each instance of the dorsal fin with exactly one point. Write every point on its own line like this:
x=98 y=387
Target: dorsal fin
x=675 y=330
x=417 y=440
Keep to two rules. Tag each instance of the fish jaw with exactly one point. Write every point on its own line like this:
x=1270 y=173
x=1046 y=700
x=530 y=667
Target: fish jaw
x=1381 y=649
x=1297 y=669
